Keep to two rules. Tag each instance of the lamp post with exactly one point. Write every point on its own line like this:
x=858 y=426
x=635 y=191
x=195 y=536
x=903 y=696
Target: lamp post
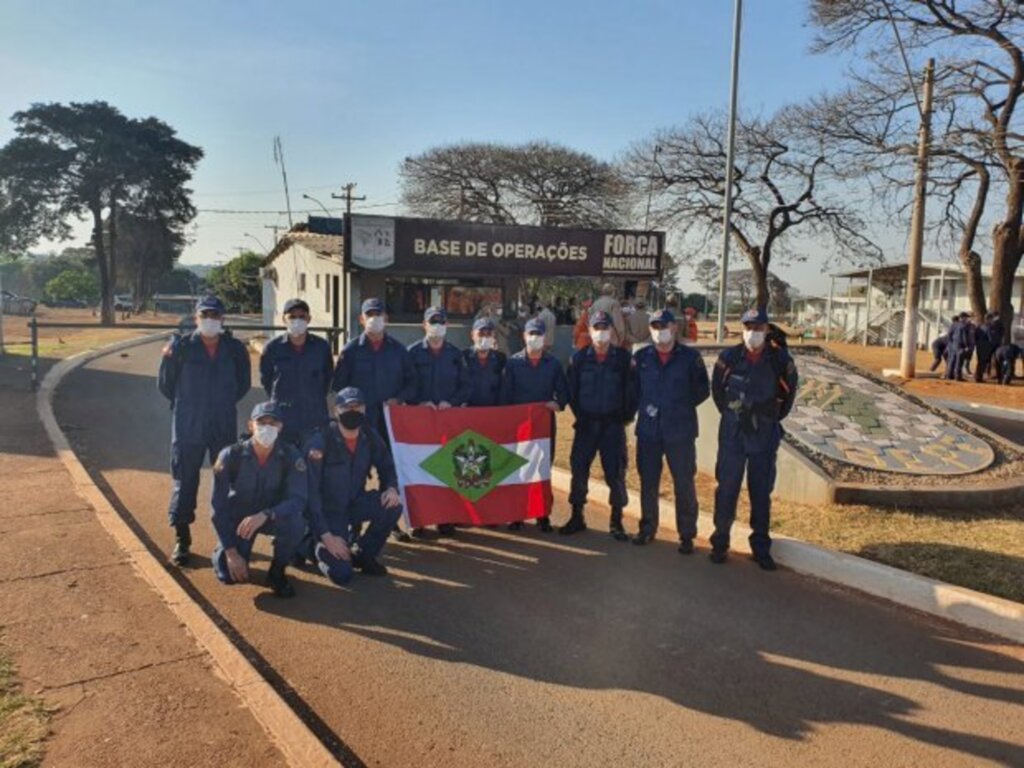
x=324 y=207
x=650 y=184
x=730 y=162
x=258 y=241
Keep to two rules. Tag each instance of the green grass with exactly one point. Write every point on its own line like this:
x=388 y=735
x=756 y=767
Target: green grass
x=24 y=722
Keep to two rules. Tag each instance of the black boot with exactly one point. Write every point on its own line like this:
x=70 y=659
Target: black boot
x=576 y=523
x=616 y=529
x=544 y=524
x=278 y=582
x=446 y=530
x=182 y=544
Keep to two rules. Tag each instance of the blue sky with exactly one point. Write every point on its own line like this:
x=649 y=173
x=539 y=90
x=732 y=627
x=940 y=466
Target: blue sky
x=353 y=87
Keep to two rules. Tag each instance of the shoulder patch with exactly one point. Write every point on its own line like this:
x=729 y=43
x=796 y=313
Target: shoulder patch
x=168 y=350
x=314 y=454
x=220 y=465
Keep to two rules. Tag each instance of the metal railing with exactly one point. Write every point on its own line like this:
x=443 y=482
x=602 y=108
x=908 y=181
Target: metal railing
x=335 y=335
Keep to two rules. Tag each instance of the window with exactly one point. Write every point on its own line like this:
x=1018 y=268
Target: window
x=462 y=299
x=317 y=281
x=302 y=282
x=327 y=293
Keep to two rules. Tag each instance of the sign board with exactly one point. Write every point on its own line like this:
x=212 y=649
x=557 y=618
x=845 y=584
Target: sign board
x=443 y=248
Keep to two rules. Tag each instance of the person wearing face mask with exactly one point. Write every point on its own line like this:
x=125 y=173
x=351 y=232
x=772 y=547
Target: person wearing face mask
x=535 y=376
x=295 y=371
x=670 y=381
x=340 y=507
x=484 y=365
x=754 y=385
x=259 y=487
x=203 y=375
x=601 y=398
x=441 y=380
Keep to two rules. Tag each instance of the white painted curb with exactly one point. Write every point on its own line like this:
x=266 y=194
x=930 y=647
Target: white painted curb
x=967 y=408
x=301 y=748
x=1004 y=618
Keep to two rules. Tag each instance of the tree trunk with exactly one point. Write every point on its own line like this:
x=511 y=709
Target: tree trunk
x=975 y=286
x=112 y=242
x=106 y=287
x=1007 y=248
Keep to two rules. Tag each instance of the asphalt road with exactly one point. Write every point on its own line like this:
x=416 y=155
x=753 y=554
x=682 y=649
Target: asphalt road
x=500 y=649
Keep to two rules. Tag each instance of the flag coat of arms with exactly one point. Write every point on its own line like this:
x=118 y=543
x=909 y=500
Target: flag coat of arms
x=478 y=466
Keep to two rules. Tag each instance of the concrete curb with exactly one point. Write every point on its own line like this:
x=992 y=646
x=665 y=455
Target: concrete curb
x=967 y=408
x=300 y=747
x=995 y=615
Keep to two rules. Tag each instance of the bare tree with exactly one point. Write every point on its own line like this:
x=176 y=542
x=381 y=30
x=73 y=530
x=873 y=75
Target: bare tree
x=781 y=183
x=534 y=183
x=978 y=43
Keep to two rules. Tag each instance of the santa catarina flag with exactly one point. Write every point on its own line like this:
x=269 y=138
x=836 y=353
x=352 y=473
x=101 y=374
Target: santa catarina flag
x=478 y=466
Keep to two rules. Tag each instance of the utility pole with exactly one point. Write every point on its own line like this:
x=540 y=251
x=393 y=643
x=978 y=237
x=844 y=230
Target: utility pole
x=279 y=159
x=2 y=351
x=730 y=162
x=348 y=197
x=908 y=353
x=273 y=227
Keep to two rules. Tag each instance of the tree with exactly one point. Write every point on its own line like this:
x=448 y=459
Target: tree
x=88 y=159
x=73 y=285
x=534 y=183
x=237 y=283
x=781 y=183
x=178 y=281
x=706 y=274
x=979 y=45
x=149 y=248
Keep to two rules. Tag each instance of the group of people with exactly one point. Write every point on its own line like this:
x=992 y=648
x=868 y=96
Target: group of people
x=982 y=342
x=301 y=474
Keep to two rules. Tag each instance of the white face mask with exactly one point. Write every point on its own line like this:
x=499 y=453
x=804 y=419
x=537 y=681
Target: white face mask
x=436 y=330
x=266 y=435
x=375 y=324
x=535 y=343
x=486 y=343
x=297 y=326
x=601 y=337
x=753 y=339
x=661 y=335
x=209 y=327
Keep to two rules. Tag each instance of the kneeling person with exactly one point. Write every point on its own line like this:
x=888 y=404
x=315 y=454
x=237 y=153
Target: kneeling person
x=340 y=458
x=259 y=486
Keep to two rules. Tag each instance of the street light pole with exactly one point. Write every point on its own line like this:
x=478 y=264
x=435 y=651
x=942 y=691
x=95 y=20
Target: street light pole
x=730 y=162
x=258 y=242
x=650 y=184
x=310 y=197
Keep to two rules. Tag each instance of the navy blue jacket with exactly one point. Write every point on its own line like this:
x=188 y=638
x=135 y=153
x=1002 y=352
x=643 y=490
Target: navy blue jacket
x=241 y=487
x=484 y=380
x=957 y=337
x=204 y=391
x=524 y=383
x=338 y=477
x=667 y=395
x=753 y=398
x=298 y=379
x=602 y=390
x=440 y=377
x=381 y=375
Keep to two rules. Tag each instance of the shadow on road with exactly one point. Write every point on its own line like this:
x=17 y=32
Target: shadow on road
x=786 y=681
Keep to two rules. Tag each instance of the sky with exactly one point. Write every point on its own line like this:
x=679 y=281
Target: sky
x=354 y=87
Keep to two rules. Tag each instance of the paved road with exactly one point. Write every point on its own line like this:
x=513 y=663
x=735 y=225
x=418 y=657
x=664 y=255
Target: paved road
x=524 y=650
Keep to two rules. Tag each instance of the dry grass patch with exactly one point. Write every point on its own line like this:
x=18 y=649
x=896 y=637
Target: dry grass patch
x=24 y=722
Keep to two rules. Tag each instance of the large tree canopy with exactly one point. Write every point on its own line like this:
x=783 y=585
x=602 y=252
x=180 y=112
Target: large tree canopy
x=70 y=161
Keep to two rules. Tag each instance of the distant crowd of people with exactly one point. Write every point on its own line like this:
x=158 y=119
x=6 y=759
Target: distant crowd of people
x=979 y=344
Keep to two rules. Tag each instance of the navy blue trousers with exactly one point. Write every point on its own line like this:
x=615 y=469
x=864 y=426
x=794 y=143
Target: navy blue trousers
x=682 y=464
x=730 y=466
x=593 y=438
x=186 y=463
x=287 y=534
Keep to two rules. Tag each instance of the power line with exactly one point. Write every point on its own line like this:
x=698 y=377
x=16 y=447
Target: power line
x=231 y=211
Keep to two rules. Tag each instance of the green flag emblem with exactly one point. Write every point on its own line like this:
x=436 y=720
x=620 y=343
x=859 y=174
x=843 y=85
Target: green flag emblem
x=472 y=465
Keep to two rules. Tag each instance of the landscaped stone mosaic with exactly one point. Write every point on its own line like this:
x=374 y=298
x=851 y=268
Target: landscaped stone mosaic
x=850 y=418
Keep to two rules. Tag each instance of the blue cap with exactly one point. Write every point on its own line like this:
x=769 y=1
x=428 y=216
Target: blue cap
x=338 y=571
x=483 y=324
x=662 y=316
x=262 y=410
x=435 y=312
x=599 y=318
x=372 y=305
x=295 y=304
x=755 y=316
x=210 y=304
x=349 y=396
x=536 y=325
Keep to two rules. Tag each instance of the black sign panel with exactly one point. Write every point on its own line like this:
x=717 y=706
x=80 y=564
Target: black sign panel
x=436 y=247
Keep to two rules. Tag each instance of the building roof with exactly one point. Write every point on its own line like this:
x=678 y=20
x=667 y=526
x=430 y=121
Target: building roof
x=330 y=246
x=891 y=272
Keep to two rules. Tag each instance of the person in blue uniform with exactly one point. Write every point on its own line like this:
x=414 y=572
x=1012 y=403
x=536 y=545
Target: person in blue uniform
x=601 y=398
x=956 y=349
x=535 y=376
x=939 y=351
x=484 y=364
x=351 y=522
x=203 y=374
x=295 y=371
x=969 y=335
x=1005 y=360
x=670 y=380
x=754 y=386
x=259 y=487
x=377 y=364
x=985 y=345
x=441 y=381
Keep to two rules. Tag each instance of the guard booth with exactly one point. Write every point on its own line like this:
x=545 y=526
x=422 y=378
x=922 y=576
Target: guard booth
x=415 y=263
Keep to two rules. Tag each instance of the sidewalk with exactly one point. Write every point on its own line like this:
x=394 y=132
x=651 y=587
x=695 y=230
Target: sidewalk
x=129 y=685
